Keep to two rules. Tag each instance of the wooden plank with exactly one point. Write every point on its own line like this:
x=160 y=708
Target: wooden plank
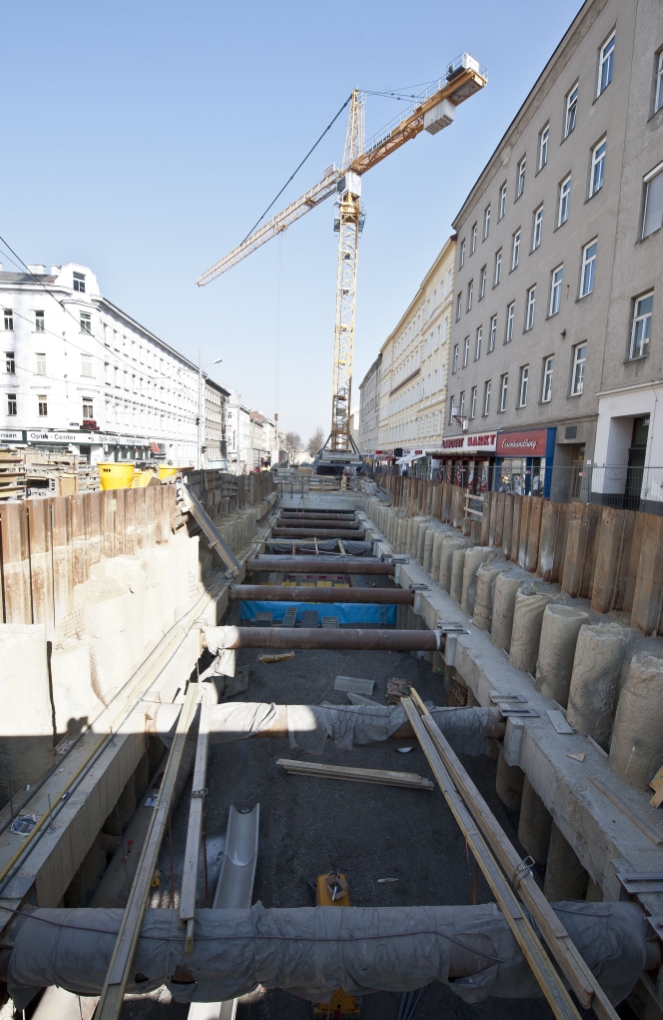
x=532 y=549
x=141 y=517
x=93 y=507
x=516 y=511
x=151 y=515
x=648 y=593
x=549 y=980
x=77 y=537
x=63 y=584
x=557 y=938
x=195 y=823
x=485 y=520
x=499 y=520
x=112 y=995
x=357 y=775
x=520 y=556
x=130 y=541
x=15 y=545
x=108 y=511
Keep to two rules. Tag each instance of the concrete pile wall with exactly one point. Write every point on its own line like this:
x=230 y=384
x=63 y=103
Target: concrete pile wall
x=612 y=557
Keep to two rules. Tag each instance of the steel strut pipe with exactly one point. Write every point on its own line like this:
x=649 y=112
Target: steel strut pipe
x=319 y=564
x=317 y=515
x=309 y=522
x=291 y=532
x=346 y=638
x=286 y=593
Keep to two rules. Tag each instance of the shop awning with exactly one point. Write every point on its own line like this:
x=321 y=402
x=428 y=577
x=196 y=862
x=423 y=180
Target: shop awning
x=410 y=457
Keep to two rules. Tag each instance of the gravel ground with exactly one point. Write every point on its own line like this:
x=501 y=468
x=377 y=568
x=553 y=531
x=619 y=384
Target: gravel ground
x=310 y=825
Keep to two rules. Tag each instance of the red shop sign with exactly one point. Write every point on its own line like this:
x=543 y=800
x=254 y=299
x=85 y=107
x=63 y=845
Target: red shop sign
x=522 y=444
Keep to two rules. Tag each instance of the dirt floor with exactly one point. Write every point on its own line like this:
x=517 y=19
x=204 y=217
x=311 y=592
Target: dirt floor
x=310 y=825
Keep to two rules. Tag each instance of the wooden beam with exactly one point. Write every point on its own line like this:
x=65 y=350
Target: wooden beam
x=356 y=775
x=195 y=826
x=580 y=977
x=112 y=995
x=549 y=980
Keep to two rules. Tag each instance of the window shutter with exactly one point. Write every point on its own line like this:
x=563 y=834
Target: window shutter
x=654 y=205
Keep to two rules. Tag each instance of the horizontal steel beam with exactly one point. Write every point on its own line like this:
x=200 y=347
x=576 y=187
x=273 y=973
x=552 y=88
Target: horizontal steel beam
x=319 y=565
x=327 y=515
x=286 y=593
x=318 y=533
x=310 y=522
x=343 y=638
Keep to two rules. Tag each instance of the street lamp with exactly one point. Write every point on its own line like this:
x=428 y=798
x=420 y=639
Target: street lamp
x=217 y=361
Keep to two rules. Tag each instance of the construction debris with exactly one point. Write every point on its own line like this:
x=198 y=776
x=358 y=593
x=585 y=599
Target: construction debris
x=354 y=684
x=397 y=689
x=276 y=658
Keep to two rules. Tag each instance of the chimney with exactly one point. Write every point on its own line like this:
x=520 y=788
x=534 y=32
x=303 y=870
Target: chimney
x=37 y=268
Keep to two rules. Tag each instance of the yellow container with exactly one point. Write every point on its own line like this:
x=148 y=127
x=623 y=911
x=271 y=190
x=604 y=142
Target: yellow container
x=116 y=476
x=167 y=472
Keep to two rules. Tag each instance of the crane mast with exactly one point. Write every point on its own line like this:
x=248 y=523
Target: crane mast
x=349 y=225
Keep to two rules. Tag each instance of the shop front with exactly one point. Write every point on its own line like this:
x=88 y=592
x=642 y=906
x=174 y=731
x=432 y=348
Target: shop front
x=469 y=460
x=524 y=462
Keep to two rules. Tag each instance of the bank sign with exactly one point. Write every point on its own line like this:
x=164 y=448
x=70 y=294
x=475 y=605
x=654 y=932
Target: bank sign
x=523 y=444
x=479 y=442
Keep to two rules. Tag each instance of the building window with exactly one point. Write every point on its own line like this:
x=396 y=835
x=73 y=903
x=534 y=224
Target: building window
x=520 y=187
x=564 y=199
x=543 y=146
x=473 y=403
x=653 y=204
x=538 y=228
x=470 y=295
x=451 y=409
x=86 y=322
x=486 y=222
x=606 y=57
x=466 y=351
x=641 y=328
x=9 y=319
x=435 y=381
x=502 y=207
x=42 y=403
x=461 y=410
x=571 y=111
x=522 y=391
x=39 y=322
x=588 y=268
x=455 y=361
x=10 y=363
x=504 y=385
x=493 y=334
x=531 y=304
x=461 y=258
x=598 y=166
x=459 y=305
x=556 y=290
x=11 y=404
x=486 y=397
x=515 y=250
x=482 y=283
x=498 y=267
x=88 y=409
x=79 y=282
x=510 y=316
x=546 y=389
x=477 y=343
x=41 y=364
x=658 y=96
x=578 y=376
x=86 y=365
x=473 y=239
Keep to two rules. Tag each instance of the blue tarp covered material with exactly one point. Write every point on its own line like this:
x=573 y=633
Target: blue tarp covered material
x=350 y=614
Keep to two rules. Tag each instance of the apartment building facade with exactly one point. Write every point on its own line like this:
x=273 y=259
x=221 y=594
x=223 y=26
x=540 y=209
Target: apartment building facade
x=215 y=453
x=412 y=386
x=369 y=409
x=82 y=375
x=538 y=311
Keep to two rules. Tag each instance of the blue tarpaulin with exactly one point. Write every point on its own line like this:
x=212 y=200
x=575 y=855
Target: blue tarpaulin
x=349 y=614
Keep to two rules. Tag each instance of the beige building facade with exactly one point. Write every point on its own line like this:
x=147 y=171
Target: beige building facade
x=413 y=367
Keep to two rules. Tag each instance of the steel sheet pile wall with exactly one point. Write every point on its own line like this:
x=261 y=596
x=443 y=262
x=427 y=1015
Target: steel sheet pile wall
x=612 y=557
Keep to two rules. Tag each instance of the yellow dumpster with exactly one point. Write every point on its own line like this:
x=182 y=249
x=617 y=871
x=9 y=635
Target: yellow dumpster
x=116 y=476
x=167 y=472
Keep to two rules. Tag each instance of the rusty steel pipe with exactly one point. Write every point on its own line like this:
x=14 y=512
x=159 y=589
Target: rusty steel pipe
x=291 y=532
x=284 y=593
x=319 y=565
x=346 y=638
x=318 y=515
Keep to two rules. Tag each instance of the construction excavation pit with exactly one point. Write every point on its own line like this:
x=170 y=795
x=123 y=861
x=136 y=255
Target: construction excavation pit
x=343 y=755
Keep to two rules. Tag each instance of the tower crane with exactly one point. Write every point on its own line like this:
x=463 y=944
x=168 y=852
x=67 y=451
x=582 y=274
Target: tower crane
x=431 y=111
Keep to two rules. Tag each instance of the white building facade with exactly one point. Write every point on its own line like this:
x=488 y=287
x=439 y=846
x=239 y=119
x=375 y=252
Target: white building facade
x=369 y=408
x=82 y=375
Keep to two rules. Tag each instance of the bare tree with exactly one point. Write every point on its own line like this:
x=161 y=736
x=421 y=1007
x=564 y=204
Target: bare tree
x=314 y=444
x=293 y=445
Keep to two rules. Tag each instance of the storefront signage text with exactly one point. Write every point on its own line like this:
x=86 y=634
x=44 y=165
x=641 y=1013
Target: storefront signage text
x=523 y=444
x=484 y=441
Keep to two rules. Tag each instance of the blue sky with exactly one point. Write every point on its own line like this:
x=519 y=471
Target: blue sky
x=144 y=139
